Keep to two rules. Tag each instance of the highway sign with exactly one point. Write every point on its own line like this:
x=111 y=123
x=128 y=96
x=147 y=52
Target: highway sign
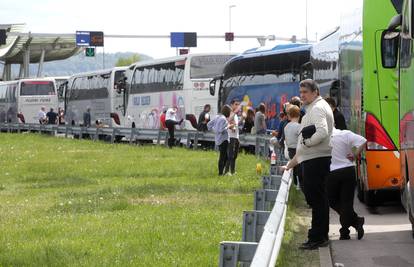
x=90 y=52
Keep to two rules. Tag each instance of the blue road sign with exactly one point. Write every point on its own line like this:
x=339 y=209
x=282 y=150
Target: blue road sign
x=177 y=39
x=83 y=38
x=183 y=39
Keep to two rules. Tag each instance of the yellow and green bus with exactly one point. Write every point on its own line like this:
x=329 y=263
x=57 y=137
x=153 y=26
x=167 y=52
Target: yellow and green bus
x=397 y=46
x=369 y=95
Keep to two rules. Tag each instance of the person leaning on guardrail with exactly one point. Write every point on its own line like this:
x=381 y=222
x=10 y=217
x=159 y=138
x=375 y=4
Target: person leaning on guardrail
x=314 y=154
x=219 y=125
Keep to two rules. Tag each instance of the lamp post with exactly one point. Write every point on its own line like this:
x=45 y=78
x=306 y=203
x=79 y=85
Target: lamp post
x=230 y=7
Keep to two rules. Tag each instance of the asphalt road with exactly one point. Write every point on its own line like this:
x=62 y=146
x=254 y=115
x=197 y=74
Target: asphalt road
x=387 y=241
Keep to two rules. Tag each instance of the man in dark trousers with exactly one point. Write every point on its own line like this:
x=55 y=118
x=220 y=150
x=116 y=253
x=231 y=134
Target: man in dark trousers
x=338 y=116
x=314 y=155
x=87 y=118
x=341 y=181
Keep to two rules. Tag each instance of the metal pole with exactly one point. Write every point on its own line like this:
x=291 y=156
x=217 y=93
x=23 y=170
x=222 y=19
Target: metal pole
x=40 y=67
x=230 y=7
x=103 y=56
x=306 y=23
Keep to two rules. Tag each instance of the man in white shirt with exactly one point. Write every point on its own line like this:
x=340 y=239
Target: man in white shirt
x=170 y=122
x=341 y=182
x=41 y=115
x=234 y=144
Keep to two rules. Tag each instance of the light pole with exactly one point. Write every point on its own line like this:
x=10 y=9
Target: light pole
x=230 y=7
x=306 y=23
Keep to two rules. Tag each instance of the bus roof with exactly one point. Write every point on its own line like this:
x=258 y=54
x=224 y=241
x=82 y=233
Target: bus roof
x=176 y=58
x=267 y=51
x=98 y=72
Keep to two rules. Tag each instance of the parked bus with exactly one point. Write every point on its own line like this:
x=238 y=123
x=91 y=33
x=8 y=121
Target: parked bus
x=21 y=100
x=98 y=91
x=397 y=46
x=272 y=76
x=369 y=96
x=181 y=82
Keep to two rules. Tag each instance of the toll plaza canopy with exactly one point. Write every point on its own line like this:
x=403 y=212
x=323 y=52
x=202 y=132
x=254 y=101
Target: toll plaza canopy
x=25 y=48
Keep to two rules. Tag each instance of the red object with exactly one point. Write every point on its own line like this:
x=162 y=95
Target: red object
x=229 y=36
x=377 y=137
x=37 y=82
x=115 y=117
x=162 y=121
x=184 y=51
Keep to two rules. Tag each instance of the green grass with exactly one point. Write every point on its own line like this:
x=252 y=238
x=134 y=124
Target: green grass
x=81 y=203
x=296 y=232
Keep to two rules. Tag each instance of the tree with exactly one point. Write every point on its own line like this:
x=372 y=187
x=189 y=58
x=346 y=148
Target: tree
x=127 y=61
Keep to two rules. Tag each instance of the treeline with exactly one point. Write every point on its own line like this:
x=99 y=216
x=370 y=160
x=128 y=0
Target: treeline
x=81 y=63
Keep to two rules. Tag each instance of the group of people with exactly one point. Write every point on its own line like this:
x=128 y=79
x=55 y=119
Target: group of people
x=51 y=117
x=322 y=153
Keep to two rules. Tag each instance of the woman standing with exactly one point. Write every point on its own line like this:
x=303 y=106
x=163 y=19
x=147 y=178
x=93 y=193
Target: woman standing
x=220 y=125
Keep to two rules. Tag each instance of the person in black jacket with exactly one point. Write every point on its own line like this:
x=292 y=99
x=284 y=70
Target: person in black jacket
x=204 y=118
x=338 y=116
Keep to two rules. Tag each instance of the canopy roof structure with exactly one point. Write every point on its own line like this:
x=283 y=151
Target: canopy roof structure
x=25 y=48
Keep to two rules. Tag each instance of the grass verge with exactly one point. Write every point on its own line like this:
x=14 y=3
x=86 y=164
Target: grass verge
x=80 y=203
x=296 y=232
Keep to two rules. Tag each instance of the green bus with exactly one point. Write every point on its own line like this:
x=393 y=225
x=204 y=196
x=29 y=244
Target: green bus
x=397 y=46
x=369 y=95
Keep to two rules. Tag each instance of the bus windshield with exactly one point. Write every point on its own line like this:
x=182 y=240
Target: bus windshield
x=31 y=88
x=207 y=66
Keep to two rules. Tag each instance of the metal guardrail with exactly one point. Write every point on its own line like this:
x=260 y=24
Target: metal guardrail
x=192 y=138
x=250 y=252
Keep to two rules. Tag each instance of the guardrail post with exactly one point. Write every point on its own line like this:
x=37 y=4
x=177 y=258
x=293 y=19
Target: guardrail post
x=253 y=225
x=196 y=136
x=271 y=182
x=257 y=146
x=188 y=143
x=113 y=135
x=167 y=135
x=66 y=131
x=131 y=137
x=233 y=252
x=264 y=199
x=18 y=128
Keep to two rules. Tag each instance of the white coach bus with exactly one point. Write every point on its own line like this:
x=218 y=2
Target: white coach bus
x=98 y=91
x=21 y=100
x=181 y=81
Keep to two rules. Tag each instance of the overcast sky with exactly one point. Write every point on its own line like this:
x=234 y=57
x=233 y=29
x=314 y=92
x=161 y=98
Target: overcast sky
x=160 y=17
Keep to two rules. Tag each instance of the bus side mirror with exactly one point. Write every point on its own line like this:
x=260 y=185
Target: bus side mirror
x=212 y=87
x=389 y=48
x=121 y=85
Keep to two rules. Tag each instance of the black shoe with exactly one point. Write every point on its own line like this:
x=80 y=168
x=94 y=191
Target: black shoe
x=344 y=237
x=310 y=245
x=359 y=227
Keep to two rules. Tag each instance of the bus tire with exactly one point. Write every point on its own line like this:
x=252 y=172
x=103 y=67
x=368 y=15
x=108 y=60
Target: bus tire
x=411 y=217
x=370 y=198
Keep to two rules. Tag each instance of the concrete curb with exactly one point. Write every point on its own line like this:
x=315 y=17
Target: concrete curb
x=325 y=257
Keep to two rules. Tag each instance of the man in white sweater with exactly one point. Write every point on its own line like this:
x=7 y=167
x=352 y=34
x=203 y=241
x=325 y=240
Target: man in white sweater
x=314 y=155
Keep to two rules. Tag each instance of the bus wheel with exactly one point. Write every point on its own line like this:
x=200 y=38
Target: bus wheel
x=370 y=198
x=360 y=191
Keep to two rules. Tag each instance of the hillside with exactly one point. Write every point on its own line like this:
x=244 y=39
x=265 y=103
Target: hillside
x=76 y=64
